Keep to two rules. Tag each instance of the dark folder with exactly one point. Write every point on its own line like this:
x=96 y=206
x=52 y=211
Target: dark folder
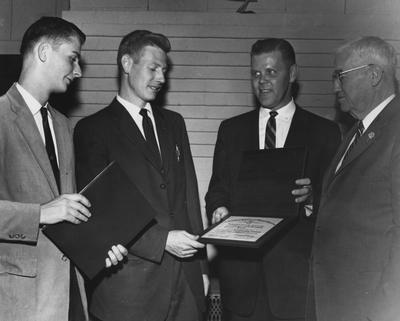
x=119 y=213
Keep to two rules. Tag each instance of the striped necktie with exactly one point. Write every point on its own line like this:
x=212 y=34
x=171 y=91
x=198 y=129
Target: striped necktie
x=270 y=131
x=359 y=132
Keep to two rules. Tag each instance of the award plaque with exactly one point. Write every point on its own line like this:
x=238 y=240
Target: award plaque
x=262 y=205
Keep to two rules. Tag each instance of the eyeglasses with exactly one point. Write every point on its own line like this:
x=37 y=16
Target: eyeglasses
x=338 y=74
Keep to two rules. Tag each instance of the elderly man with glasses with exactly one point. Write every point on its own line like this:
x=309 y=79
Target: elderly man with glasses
x=355 y=267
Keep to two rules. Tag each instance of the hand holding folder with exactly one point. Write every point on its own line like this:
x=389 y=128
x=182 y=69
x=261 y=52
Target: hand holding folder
x=117 y=218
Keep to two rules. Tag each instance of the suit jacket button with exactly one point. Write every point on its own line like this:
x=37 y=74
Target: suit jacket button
x=162 y=171
x=163 y=186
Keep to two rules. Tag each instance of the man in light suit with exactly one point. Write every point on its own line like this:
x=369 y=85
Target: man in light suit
x=36 y=166
x=270 y=283
x=355 y=263
x=163 y=276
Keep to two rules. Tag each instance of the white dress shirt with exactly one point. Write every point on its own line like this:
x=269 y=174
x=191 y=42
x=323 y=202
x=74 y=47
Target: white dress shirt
x=283 y=121
x=34 y=106
x=134 y=110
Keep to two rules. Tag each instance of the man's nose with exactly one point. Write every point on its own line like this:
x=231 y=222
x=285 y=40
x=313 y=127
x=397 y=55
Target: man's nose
x=337 y=85
x=160 y=76
x=77 y=71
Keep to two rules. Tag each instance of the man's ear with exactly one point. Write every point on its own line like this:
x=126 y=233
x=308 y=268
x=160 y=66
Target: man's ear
x=293 y=70
x=43 y=51
x=126 y=62
x=376 y=75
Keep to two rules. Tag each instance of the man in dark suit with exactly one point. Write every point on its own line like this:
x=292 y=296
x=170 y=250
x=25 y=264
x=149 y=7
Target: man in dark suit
x=166 y=266
x=271 y=283
x=37 y=181
x=356 y=251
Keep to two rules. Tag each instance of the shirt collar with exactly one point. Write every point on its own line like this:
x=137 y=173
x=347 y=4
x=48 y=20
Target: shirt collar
x=132 y=107
x=375 y=112
x=285 y=113
x=33 y=105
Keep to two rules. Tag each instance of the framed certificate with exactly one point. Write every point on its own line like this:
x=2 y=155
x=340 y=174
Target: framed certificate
x=262 y=204
x=245 y=231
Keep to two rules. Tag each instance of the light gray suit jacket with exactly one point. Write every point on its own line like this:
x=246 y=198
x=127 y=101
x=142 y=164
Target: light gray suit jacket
x=34 y=274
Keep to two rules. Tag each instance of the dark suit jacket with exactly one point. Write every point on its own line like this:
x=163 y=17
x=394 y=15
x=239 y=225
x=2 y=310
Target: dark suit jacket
x=356 y=250
x=283 y=264
x=142 y=288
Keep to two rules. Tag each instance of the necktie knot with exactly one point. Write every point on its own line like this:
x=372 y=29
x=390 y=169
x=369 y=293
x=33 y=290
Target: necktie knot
x=43 y=111
x=143 y=112
x=273 y=113
x=360 y=128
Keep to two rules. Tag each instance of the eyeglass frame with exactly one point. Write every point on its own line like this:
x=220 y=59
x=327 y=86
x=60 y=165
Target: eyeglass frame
x=338 y=75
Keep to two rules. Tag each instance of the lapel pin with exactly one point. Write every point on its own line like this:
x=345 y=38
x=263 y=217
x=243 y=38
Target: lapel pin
x=371 y=135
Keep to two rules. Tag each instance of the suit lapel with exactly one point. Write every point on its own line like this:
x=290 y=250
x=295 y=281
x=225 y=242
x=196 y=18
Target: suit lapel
x=331 y=171
x=297 y=135
x=124 y=122
x=251 y=137
x=364 y=142
x=61 y=143
x=27 y=126
x=163 y=133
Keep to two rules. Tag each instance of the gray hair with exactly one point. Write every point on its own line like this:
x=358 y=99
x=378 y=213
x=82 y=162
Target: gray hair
x=371 y=50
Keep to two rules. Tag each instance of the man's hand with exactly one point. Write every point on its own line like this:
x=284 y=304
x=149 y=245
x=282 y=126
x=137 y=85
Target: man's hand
x=206 y=283
x=115 y=255
x=67 y=207
x=219 y=214
x=182 y=244
x=304 y=193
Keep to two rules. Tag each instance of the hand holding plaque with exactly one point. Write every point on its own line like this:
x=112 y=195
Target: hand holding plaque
x=263 y=205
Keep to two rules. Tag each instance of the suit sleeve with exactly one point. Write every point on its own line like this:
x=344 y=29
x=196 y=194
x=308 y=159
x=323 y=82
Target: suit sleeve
x=19 y=222
x=218 y=189
x=385 y=303
x=92 y=155
x=192 y=194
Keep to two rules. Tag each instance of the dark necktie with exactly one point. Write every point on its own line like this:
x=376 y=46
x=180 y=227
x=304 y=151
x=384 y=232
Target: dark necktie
x=51 y=152
x=270 y=131
x=359 y=132
x=75 y=312
x=149 y=132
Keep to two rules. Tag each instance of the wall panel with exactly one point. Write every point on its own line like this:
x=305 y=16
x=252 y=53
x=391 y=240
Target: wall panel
x=209 y=79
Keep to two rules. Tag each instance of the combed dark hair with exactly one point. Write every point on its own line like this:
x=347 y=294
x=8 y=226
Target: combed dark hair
x=52 y=28
x=133 y=43
x=275 y=44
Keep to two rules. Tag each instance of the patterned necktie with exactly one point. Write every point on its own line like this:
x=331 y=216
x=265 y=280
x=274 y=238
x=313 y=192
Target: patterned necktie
x=270 y=131
x=359 y=132
x=51 y=152
x=149 y=132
